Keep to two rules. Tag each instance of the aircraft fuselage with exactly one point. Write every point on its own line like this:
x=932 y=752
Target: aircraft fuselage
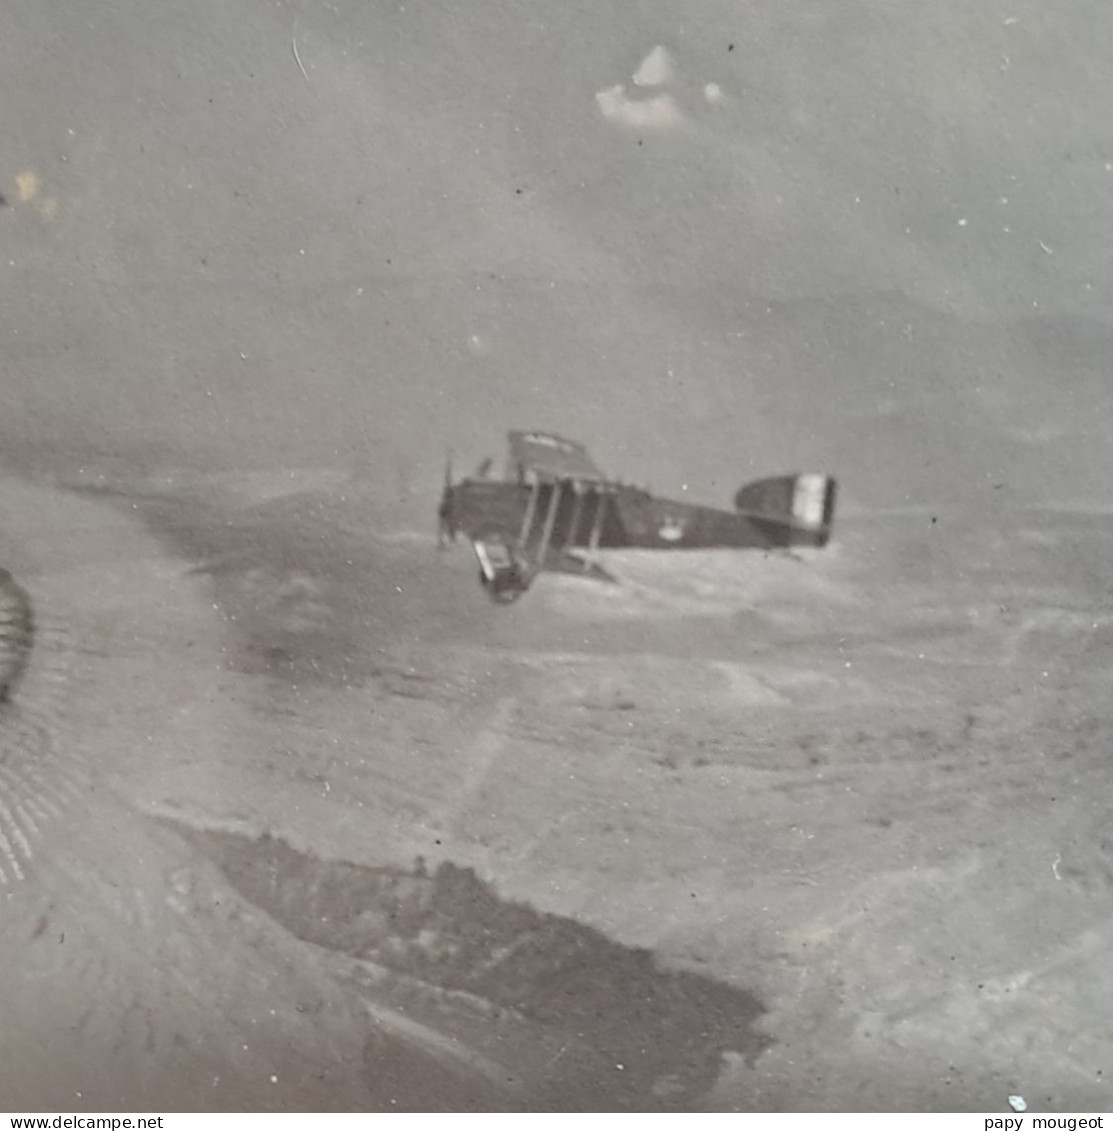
x=625 y=517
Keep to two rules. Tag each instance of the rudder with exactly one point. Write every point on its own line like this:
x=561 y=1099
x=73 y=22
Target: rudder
x=804 y=502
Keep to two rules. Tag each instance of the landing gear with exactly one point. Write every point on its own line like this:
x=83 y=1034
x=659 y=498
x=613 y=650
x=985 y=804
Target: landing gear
x=561 y=516
x=503 y=576
x=505 y=587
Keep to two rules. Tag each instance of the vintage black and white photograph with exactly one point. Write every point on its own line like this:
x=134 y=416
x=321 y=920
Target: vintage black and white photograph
x=556 y=557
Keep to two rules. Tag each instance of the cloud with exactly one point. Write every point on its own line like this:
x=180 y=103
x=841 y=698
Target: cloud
x=660 y=112
x=656 y=68
x=1039 y=436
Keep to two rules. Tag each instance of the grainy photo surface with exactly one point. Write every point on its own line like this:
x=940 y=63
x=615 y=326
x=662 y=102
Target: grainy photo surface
x=555 y=557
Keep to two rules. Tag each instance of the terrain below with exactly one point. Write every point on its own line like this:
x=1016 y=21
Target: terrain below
x=290 y=817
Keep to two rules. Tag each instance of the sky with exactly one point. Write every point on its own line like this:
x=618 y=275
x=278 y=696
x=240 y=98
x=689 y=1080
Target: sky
x=710 y=240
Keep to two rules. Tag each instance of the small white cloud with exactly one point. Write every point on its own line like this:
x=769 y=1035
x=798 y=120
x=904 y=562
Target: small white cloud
x=658 y=113
x=1041 y=436
x=713 y=92
x=656 y=68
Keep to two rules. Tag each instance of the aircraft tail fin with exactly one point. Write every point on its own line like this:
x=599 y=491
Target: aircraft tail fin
x=803 y=502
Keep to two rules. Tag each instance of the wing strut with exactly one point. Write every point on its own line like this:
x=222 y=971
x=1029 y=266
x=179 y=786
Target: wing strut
x=550 y=522
x=531 y=512
x=577 y=512
x=597 y=521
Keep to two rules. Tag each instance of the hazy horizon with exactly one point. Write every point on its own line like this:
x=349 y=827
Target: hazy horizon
x=711 y=243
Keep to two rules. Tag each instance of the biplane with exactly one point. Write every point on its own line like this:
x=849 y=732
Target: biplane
x=554 y=510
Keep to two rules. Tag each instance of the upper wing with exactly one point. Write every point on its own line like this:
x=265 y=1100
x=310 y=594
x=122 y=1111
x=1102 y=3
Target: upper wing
x=551 y=458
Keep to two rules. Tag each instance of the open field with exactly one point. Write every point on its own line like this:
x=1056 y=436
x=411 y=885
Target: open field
x=745 y=831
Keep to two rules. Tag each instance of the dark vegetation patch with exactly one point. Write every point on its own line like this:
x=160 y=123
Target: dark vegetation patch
x=627 y=1034
x=310 y=592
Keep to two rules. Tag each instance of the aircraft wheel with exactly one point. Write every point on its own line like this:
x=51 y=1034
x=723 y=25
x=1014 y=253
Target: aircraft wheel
x=506 y=596
x=505 y=587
